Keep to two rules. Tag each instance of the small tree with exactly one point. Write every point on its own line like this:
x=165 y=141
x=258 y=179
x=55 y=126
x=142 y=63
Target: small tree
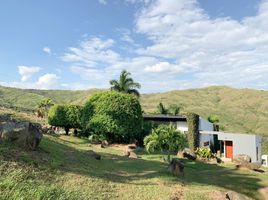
x=161 y=109
x=174 y=109
x=65 y=116
x=214 y=119
x=165 y=138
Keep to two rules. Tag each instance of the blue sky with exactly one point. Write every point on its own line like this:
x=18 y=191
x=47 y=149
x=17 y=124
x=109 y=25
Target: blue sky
x=165 y=44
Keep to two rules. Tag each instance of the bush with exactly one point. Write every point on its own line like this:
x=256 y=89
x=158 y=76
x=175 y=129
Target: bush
x=66 y=116
x=96 y=139
x=117 y=116
x=165 y=138
x=204 y=152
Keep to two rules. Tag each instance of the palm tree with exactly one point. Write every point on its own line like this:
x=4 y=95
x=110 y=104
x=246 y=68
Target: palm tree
x=174 y=109
x=125 y=84
x=162 y=109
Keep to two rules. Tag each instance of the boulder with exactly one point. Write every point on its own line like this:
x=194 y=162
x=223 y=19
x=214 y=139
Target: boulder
x=126 y=153
x=241 y=158
x=132 y=155
x=93 y=154
x=176 y=166
x=189 y=154
x=25 y=134
x=104 y=144
x=251 y=166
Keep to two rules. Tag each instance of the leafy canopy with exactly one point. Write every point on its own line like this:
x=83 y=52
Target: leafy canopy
x=115 y=115
x=165 y=138
x=125 y=84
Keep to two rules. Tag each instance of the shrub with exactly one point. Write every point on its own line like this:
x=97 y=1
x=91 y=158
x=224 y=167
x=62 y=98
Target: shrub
x=204 y=152
x=115 y=115
x=96 y=139
x=165 y=138
x=66 y=116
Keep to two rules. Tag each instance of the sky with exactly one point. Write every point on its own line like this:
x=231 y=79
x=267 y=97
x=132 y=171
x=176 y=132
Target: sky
x=165 y=44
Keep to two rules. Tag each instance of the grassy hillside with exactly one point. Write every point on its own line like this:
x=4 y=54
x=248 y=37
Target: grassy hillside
x=61 y=168
x=240 y=110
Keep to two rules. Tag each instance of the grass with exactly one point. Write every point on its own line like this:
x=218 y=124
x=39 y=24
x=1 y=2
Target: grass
x=63 y=169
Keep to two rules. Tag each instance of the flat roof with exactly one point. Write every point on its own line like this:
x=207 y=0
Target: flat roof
x=165 y=118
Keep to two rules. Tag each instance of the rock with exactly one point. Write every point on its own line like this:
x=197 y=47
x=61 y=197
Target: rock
x=93 y=154
x=176 y=166
x=132 y=147
x=241 y=158
x=132 y=155
x=126 y=153
x=25 y=134
x=104 y=144
x=189 y=154
x=251 y=166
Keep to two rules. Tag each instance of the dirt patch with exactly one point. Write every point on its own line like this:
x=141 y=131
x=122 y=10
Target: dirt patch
x=264 y=193
x=220 y=195
x=178 y=192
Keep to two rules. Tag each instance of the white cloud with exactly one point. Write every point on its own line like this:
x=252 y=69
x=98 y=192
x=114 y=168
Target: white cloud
x=214 y=51
x=26 y=72
x=47 y=50
x=187 y=48
x=103 y=2
x=47 y=81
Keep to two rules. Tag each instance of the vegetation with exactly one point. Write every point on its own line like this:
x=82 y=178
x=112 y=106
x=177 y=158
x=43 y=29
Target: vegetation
x=66 y=116
x=116 y=116
x=62 y=169
x=204 y=152
x=239 y=110
x=125 y=84
x=44 y=106
x=165 y=138
x=193 y=130
x=173 y=109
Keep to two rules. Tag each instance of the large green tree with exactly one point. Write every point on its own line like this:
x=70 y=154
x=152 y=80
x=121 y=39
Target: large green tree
x=125 y=84
x=115 y=115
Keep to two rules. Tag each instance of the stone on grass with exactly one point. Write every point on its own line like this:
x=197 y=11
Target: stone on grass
x=104 y=144
x=132 y=155
x=24 y=134
x=241 y=158
x=189 y=154
x=251 y=166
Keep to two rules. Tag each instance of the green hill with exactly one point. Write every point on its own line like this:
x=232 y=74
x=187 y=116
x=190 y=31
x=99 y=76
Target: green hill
x=240 y=110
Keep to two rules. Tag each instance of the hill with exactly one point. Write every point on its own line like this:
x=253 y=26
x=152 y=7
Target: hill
x=240 y=110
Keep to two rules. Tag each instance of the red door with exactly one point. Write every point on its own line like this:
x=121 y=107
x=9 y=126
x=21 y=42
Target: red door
x=229 y=149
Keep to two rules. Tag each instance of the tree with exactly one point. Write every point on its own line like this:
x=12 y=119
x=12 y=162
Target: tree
x=161 y=109
x=116 y=116
x=65 y=116
x=174 y=109
x=125 y=84
x=214 y=119
x=43 y=107
x=165 y=138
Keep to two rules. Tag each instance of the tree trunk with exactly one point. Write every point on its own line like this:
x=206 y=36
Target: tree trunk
x=75 y=132
x=66 y=130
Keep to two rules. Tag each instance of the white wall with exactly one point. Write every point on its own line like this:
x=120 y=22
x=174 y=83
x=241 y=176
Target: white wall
x=182 y=126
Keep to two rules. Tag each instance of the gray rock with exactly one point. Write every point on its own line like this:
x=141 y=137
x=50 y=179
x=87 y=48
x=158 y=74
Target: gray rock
x=241 y=158
x=189 y=154
x=25 y=134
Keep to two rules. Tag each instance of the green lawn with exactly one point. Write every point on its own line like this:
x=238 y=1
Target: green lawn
x=63 y=169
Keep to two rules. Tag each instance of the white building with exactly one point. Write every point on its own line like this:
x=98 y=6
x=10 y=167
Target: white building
x=229 y=144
